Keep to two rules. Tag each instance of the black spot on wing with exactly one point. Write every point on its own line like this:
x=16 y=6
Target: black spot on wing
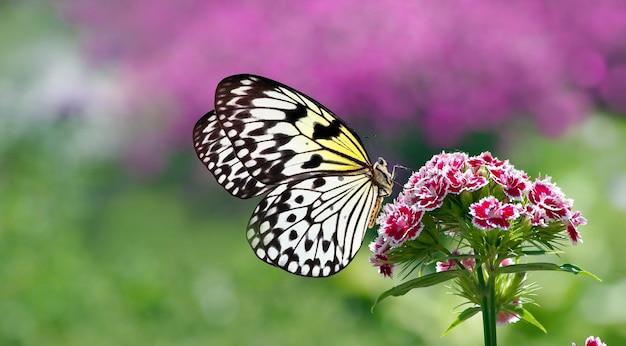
x=231 y=156
x=326 y=245
x=282 y=139
x=308 y=244
x=293 y=115
x=258 y=132
x=275 y=172
x=318 y=182
x=327 y=132
x=314 y=162
x=293 y=235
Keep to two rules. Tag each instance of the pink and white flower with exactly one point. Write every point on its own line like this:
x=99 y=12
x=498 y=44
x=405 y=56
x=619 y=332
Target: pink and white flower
x=464 y=180
x=380 y=256
x=574 y=221
x=487 y=160
x=450 y=264
x=592 y=341
x=515 y=183
x=507 y=262
x=505 y=317
x=400 y=222
x=427 y=192
x=490 y=213
x=546 y=195
x=536 y=214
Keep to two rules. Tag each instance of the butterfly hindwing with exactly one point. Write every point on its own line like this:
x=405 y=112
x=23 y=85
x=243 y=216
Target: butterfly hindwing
x=216 y=152
x=313 y=227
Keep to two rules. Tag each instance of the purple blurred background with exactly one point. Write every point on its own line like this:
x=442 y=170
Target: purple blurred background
x=441 y=68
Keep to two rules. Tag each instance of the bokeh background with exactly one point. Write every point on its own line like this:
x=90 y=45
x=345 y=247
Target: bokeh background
x=113 y=233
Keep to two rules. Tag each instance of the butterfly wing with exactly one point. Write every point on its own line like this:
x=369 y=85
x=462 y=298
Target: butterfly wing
x=280 y=134
x=313 y=227
x=214 y=149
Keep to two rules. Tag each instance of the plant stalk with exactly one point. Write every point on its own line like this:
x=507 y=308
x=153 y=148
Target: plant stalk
x=488 y=307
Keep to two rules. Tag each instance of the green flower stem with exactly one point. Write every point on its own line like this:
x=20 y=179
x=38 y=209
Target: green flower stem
x=488 y=307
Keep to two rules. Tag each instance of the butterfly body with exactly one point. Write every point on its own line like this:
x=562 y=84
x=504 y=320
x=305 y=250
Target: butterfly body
x=322 y=190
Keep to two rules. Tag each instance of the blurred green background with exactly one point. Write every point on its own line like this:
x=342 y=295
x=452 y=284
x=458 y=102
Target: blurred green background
x=94 y=251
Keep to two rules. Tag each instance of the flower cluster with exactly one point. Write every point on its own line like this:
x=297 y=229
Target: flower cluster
x=475 y=217
x=463 y=197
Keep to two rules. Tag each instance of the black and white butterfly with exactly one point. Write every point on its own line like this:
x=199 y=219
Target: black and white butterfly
x=323 y=192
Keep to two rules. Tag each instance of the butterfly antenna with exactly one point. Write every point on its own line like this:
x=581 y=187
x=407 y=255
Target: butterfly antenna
x=393 y=172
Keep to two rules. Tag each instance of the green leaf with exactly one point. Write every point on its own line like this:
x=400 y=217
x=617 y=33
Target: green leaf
x=537 y=252
x=462 y=317
x=527 y=267
x=528 y=317
x=572 y=268
x=424 y=281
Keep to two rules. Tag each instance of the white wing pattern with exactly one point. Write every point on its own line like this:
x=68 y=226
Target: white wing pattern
x=323 y=190
x=216 y=151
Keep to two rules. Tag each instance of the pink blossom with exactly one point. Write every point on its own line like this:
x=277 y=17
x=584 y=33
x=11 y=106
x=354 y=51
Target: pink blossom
x=447 y=161
x=592 y=341
x=400 y=222
x=386 y=269
x=487 y=160
x=536 y=215
x=469 y=262
x=546 y=195
x=444 y=173
x=464 y=180
x=574 y=221
x=505 y=317
x=450 y=264
x=507 y=262
x=427 y=192
x=515 y=183
x=380 y=258
x=489 y=213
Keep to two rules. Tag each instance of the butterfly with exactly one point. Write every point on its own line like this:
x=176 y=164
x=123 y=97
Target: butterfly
x=322 y=192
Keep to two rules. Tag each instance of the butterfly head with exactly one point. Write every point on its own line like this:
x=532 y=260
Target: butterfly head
x=382 y=177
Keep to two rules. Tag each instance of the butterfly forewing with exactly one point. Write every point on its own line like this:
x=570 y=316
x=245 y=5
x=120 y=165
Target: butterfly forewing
x=260 y=116
x=323 y=191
